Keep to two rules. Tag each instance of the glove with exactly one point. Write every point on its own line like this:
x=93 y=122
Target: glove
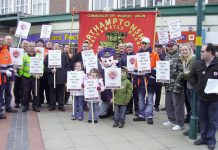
x=99 y=88
x=53 y=70
x=37 y=76
x=8 y=73
x=83 y=86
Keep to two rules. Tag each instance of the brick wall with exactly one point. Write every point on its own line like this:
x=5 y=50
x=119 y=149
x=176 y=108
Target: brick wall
x=185 y=2
x=213 y=1
x=57 y=6
x=80 y=5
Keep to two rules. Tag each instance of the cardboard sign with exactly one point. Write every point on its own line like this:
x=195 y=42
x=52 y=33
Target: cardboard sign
x=143 y=62
x=212 y=86
x=40 y=51
x=90 y=90
x=46 y=31
x=36 y=65
x=175 y=29
x=54 y=59
x=163 y=71
x=17 y=56
x=85 y=55
x=92 y=63
x=131 y=60
x=74 y=81
x=22 y=29
x=112 y=78
x=163 y=37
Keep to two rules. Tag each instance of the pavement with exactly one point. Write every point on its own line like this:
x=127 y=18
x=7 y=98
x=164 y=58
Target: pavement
x=56 y=131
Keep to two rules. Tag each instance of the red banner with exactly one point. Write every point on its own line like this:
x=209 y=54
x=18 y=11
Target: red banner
x=108 y=29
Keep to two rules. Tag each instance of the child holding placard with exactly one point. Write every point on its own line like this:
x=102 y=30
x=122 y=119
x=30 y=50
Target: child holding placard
x=78 y=95
x=94 y=74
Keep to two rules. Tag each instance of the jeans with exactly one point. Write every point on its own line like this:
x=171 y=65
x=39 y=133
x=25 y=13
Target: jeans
x=78 y=107
x=145 y=109
x=95 y=110
x=8 y=95
x=119 y=113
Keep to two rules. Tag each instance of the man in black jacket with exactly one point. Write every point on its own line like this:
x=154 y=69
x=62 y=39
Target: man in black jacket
x=57 y=94
x=206 y=68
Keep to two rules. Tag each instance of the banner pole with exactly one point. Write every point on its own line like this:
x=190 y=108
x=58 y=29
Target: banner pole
x=54 y=79
x=146 y=90
x=113 y=99
x=156 y=12
x=73 y=104
x=133 y=104
x=71 y=30
x=92 y=112
x=19 y=43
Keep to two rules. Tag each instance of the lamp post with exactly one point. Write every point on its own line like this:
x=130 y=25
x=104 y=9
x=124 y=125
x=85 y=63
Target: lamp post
x=194 y=117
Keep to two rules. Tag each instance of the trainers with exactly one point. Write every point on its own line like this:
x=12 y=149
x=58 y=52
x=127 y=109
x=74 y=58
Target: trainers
x=115 y=124
x=2 y=116
x=80 y=118
x=73 y=118
x=163 y=109
x=138 y=119
x=36 y=109
x=177 y=128
x=211 y=147
x=187 y=120
x=17 y=105
x=156 y=109
x=61 y=109
x=11 y=110
x=200 y=142
x=186 y=133
x=168 y=124
x=120 y=125
x=150 y=121
x=51 y=108
x=95 y=121
x=89 y=121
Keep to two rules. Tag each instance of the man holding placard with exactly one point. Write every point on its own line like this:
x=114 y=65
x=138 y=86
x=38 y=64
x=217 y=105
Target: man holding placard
x=204 y=71
x=29 y=81
x=56 y=66
x=144 y=80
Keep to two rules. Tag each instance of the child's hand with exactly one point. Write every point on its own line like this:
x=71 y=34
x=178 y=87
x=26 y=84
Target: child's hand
x=99 y=88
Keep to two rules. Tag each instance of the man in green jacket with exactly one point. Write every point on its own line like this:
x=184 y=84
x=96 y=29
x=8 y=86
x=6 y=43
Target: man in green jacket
x=29 y=81
x=121 y=99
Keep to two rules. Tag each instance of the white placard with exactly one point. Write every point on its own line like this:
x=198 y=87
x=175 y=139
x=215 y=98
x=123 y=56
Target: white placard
x=74 y=80
x=54 y=59
x=92 y=62
x=86 y=54
x=143 y=62
x=175 y=29
x=17 y=56
x=131 y=60
x=46 y=31
x=90 y=90
x=163 y=71
x=40 y=51
x=212 y=86
x=22 y=29
x=112 y=78
x=36 y=65
x=163 y=37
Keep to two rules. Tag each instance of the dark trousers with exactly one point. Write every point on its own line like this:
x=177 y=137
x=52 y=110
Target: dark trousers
x=66 y=96
x=158 y=88
x=57 y=95
x=18 y=90
x=44 y=86
x=119 y=113
x=30 y=86
x=8 y=95
x=187 y=100
x=208 y=117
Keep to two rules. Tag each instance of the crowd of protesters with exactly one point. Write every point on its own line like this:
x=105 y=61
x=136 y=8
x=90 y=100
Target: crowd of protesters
x=186 y=74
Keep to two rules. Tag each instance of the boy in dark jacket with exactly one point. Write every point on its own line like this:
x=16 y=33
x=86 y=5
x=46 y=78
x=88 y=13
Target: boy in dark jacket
x=121 y=99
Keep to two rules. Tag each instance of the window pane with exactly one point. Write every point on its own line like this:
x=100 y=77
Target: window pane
x=103 y=4
x=129 y=3
x=122 y=4
x=111 y=3
x=137 y=3
x=150 y=3
x=35 y=9
x=97 y=3
x=158 y=2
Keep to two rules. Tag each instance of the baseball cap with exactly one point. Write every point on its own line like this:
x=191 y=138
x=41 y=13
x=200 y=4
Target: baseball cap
x=145 y=40
x=171 y=42
x=129 y=45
